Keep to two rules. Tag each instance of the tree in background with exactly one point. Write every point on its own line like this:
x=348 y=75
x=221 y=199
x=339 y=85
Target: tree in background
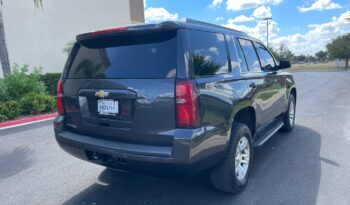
x=321 y=56
x=300 y=58
x=285 y=53
x=282 y=53
x=4 y=57
x=340 y=48
x=274 y=53
x=311 y=59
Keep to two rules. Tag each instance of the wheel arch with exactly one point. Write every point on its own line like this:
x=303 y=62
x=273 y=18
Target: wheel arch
x=293 y=91
x=247 y=116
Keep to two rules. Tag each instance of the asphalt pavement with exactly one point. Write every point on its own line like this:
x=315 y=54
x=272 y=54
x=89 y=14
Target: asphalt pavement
x=310 y=165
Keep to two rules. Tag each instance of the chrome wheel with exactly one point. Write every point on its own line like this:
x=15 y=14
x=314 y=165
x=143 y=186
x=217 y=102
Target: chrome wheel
x=242 y=159
x=291 y=113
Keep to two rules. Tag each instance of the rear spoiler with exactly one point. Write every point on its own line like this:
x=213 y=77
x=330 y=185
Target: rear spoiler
x=126 y=29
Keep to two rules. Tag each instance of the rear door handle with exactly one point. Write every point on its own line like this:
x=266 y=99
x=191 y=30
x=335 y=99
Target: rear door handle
x=252 y=85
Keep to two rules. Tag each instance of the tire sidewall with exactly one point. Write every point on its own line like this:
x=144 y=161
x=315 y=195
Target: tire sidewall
x=223 y=176
x=291 y=98
x=244 y=132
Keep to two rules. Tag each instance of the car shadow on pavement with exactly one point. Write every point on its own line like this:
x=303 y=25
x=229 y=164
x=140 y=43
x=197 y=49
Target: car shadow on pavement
x=15 y=161
x=286 y=170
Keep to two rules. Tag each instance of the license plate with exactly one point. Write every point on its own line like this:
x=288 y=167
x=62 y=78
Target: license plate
x=107 y=107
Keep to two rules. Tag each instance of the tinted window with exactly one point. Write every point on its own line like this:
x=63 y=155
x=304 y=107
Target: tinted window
x=233 y=52
x=208 y=53
x=266 y=58
x=250 y=55
x=242 y=61
x=129 y=56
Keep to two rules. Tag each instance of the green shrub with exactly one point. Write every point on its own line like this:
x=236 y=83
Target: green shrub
x=3 y=91
x=34 y=103
x=20 y=83
x=10 y=109
x=3 y=118
x=51 y=80
x=50 y=103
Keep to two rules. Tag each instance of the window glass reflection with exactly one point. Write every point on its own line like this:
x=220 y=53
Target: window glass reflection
x=208 y=53
x=250 y=55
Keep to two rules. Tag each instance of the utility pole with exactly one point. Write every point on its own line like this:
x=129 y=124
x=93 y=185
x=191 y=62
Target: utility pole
x=267 y=19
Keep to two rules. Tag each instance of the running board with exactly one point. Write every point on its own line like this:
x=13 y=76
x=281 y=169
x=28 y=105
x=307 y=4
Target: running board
x=261 y=139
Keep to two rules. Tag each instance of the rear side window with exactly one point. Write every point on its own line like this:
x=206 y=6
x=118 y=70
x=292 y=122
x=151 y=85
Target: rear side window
x=208 y=53
x=250 y=55
x=241 y=60
x=129 y=56
x=235 y=61
x=266 y=59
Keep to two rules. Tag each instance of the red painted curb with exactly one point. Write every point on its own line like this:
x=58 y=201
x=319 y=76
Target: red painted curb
x=28 y=119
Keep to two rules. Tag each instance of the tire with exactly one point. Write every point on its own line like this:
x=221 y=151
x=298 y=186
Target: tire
x=224 y=176
x=288 y=122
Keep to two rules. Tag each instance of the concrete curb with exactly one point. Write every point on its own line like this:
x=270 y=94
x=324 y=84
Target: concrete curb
x=26 y=121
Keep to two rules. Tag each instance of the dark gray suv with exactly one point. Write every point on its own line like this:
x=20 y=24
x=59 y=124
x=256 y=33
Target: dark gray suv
x=173 y=99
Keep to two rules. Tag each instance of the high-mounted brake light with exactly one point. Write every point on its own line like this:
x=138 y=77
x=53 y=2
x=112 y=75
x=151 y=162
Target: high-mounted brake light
x=60 y=105
x=108 y=31
x=187 y=106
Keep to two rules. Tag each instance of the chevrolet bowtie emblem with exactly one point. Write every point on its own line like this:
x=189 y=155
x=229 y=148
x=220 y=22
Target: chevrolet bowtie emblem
x=101 y=94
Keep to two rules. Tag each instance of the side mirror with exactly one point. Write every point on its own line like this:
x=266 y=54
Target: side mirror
x=284 y=65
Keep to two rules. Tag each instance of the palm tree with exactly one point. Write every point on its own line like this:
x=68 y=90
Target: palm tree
x=203 y=66
x=4 y=57
x=68 y=47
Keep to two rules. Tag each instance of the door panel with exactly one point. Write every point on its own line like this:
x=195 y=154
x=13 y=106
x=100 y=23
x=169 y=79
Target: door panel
x=260 y=84
x=273 y=78
x=261 y=94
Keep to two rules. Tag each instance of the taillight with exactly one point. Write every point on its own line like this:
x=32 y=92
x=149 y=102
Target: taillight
x=187 y=107
x=60 y=105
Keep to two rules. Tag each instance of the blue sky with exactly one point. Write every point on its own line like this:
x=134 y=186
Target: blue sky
x=305 y=26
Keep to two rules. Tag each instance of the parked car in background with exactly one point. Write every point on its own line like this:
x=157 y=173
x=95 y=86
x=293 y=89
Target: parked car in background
x=173 y=98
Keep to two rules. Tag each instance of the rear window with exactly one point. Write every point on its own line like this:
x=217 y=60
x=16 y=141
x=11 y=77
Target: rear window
x=208 y=53
x=151 y=55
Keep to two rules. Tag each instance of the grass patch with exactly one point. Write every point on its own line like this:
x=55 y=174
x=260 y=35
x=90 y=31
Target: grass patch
x=329 y=66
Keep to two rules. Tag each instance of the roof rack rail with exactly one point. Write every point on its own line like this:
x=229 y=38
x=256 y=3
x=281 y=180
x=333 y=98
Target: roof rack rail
x=193 y=21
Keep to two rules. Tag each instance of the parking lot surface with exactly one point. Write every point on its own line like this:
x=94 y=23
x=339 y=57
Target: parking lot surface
x=310 y=165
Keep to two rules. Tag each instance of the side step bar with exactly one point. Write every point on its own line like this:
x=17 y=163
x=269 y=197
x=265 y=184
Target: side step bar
x=261 y=139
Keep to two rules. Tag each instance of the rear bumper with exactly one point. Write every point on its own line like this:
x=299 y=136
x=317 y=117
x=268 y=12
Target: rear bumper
x=191 y=152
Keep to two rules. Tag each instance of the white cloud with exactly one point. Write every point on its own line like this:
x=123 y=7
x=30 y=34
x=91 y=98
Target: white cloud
x=236 y=5
x=262 y=12
x=219 y=18
x=214 y=50
x=320 y=5
x=215 y=3
x=300 y=43
x=317 y=37
x=159 y=14
x=276 y=2
x=241 y=18
x=258 y=31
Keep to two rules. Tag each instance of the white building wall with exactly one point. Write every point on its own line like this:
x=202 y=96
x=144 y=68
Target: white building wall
x=38 y=36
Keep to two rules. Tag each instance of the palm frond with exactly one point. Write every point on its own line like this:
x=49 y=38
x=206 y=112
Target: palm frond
x=38 y=3
x=68 y=47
